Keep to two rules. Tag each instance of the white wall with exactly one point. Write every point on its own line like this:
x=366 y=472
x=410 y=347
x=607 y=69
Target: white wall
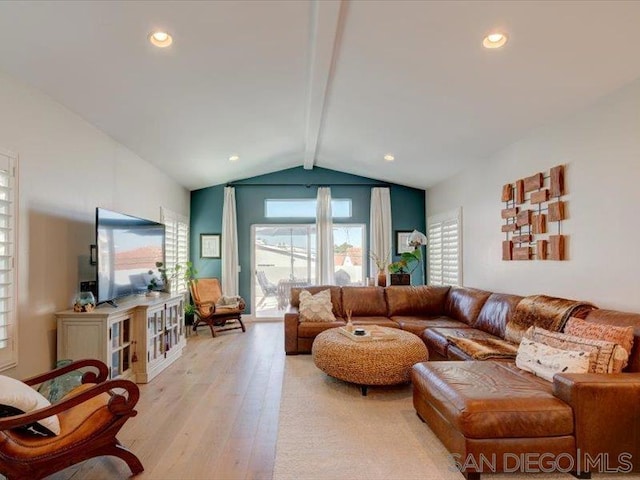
x=600 y=147
x=67 y=168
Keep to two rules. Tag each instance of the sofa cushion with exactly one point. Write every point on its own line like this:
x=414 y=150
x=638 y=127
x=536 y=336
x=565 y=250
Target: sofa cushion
x=613 y=317
x=489 y=399
x=437 y=339
x=419 y=300
x=484 y=348
x=496 y=312
x=623 y=336
x=382 y=321
x=311 y=329
x=364 y=301
x=316 y=308
x=464 y=304
x=605 y=357
x=545 y=361
x=336 y=297
x=416 y=324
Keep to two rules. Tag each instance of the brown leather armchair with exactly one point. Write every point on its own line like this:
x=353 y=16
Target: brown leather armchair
x=90 y=417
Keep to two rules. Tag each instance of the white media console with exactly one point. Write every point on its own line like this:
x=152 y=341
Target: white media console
x=138 y=339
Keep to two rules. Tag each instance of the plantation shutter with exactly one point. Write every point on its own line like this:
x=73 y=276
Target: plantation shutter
x=8 y=237
x=445 y=249
x=176 y=249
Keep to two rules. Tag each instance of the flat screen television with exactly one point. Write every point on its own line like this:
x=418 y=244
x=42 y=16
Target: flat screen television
x=127 y=251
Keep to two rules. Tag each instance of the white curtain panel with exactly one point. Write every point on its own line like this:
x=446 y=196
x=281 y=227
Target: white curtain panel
x=324 y=238
x=380 y=225
x=229 y=244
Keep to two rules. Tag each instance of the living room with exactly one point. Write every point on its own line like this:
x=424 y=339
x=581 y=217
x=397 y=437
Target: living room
x=312 y=94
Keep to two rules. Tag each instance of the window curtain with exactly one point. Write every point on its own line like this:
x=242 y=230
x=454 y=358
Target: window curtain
x=324 y=238
x=229 y=244
x=380 y=225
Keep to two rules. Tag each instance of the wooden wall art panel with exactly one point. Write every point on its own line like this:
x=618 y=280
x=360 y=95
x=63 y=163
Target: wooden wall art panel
x=507 y=192
x=507 y=250
x=534 y=182
x=533 y=207
x=540 y=196
x=509 y=212
x=522 y=253
x=519 y=192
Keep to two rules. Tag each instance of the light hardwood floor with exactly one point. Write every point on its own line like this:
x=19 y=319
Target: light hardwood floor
x=212 y=415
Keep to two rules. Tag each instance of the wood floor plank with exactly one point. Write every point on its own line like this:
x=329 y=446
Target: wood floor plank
x=212 y=415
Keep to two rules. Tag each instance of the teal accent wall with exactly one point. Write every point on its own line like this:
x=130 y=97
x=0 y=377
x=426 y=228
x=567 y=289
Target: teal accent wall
x=407 y=210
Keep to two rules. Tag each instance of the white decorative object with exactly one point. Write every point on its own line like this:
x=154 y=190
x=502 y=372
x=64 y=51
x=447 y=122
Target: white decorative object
x=316 y=308
x=545 y=361
x=21 y=396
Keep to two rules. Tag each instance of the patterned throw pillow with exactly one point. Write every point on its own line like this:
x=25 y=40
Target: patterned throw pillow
x=316 y=308
x=545 y=361
x=623 y=336
x=606 y=357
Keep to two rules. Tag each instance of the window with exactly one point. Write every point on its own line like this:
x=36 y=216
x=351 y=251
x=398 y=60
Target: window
x=445 y=248
x=284 y=256
x=304 y=208
x=8 y=237
x=176 y=248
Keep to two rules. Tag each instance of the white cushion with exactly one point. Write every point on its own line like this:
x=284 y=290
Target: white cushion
x=316 y=308
x=20 y=396
x=606 y=357
x=545 y=361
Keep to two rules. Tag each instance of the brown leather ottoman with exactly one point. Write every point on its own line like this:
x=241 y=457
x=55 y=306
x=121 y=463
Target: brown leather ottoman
x=492 y=410
x=379 y=362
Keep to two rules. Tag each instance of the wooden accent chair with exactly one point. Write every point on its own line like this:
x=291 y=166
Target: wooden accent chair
x=90 y=417
x=206 y=292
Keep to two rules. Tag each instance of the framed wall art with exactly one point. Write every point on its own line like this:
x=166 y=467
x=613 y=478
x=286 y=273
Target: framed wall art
x=210 y=245
x=402 y=242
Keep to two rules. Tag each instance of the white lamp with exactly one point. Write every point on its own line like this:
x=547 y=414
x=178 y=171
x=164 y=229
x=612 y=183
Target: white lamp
x=416 y=240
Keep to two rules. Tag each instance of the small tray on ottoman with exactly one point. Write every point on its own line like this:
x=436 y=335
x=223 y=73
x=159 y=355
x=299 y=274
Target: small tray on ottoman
x=372 y=334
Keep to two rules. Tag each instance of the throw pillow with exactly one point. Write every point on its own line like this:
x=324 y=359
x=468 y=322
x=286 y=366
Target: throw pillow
x=623 y=336
x=228 y=302
x=17 y=398
x=545 y=361
x=606 y=357
x=316 y=308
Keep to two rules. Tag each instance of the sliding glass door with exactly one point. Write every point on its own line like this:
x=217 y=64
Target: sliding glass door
x=284 y=257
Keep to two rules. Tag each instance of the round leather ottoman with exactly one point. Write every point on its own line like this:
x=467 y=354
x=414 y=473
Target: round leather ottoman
x=378 y=362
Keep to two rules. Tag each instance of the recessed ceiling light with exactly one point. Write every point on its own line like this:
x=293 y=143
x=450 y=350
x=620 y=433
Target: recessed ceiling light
x=234 y=158
x=160 y=39
x=389 y=158
x=494 y=40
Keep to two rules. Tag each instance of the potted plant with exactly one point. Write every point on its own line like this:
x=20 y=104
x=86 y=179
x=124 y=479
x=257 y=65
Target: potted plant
x=402 y=269
x=189 y=312
x=186 y=274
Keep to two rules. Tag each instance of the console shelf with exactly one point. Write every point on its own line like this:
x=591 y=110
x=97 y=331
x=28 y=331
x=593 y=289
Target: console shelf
x=138 y=339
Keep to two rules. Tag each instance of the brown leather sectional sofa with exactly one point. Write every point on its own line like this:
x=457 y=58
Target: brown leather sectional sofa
x=490 y=415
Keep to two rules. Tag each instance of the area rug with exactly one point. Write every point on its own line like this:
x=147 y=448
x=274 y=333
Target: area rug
x=328 y=430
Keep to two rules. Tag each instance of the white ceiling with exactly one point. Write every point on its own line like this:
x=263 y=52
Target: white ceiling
x=327 y=83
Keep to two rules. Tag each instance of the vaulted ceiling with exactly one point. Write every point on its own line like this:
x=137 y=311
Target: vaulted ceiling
x=337 y=84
